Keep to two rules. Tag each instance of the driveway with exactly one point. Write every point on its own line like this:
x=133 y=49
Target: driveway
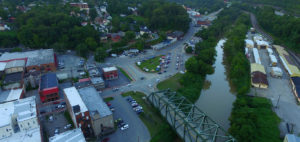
x=137 y=131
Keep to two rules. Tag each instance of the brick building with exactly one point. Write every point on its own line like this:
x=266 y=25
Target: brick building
x=41 y=60
x=78 y=110
x=48 y=88
x=110 y=73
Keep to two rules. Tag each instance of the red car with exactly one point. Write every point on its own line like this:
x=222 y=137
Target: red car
x=108 y=104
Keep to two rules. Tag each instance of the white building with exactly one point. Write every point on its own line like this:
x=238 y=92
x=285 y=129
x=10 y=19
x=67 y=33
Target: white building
x=249 y=43
x=19 y=119
x=75 y=135
x=256 y=56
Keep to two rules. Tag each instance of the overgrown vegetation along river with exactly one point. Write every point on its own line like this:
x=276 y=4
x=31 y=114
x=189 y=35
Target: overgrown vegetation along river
x=217 y=100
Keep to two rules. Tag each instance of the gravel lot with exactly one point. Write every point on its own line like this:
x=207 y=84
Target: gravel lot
x=287 y=109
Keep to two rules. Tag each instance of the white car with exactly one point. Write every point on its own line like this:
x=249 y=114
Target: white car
x=51 y=118
x=56 y=131
x=126 y=126
x=67 y=126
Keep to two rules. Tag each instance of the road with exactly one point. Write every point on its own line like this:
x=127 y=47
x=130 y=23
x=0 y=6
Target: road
x=258 y=29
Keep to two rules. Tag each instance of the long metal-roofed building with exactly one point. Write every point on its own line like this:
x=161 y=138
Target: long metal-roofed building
x=258 y=76
x=101 y=116
x=11 y=95
x=41 y=60
x=69 y=136
x=48 y=88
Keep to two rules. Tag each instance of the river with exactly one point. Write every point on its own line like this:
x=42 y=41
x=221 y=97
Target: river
x=217 y=100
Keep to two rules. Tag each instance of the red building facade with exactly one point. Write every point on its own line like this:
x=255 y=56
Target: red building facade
x=48 y=88
x=110 y=73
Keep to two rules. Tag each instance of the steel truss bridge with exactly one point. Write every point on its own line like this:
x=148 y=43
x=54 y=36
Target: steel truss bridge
x=190 y=123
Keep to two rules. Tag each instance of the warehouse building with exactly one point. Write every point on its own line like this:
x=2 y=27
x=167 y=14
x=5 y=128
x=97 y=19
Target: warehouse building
x=256 y=56
x=249 y=43
x=287 y=61
x=13 y=81
x=110 y=73
x=75 y=135
x=42 y=60
x=258 y=76
x=295 y=81
x=101 y=116
x=78 y=110
x=19 y=121
x=48 y=88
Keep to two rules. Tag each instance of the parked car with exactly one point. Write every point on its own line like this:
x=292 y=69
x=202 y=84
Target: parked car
x=105 y=140
x=112 y=109
x=134 y=104
x=51 y=118
x=56 y=131
x=108 y=104
x=115 y=89
x=42 y=112
x=67 y=126
x=124 y=127
x=142 y=78
x=139 y=111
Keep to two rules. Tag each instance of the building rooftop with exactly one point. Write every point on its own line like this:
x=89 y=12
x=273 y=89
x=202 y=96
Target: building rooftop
x=24 y=109
x=6 y=111
x=2 y=66
x=10 y=95
x=108 y=69
x=82 y=84
x=250 y=42
x=69 y=136
x=33 y=135
x=48 y=80
x=13 y=77
x=36 y=57
x=94 y=102
x=15 y=63
x=75 y=99
x=97 y=80
x=292 y=138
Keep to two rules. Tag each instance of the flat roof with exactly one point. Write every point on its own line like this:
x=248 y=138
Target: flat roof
x=74 y=135
x=10 y=95
x=13 y=77
x=261 y=42
x=15 y=63
x=94 y=102
x=32 y=135
x=36 y=57
x=48 y=80
x=97 y=80
x=25 y=108
x=108 y=69
x=2 y=66
x=6 y=111
x=292 y=138
x=75 y=99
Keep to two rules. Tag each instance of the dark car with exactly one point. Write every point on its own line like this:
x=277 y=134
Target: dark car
x=108 y=104
x=159 y=72
x=42 y=112
x=142 y=78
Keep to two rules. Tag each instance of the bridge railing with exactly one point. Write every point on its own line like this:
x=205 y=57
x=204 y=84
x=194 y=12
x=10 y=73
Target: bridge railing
x=190 y=123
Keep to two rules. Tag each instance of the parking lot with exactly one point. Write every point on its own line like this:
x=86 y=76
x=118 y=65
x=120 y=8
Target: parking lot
x=49 y=126
x=137 y=131
x=70 y=65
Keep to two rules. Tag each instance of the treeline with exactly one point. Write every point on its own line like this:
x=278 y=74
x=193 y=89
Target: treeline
x=165 y=15
x=285 y=29
x=202 y=64
x=52 y=27
x=202 y=5
x=252 y=118
x=288 y=5
x=234 y=49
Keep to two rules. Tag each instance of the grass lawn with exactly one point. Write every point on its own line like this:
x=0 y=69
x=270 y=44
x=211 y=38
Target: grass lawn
x=108 y=99
x=150 y=64
x=172 y=83
x=125 y=73
x=159 y=129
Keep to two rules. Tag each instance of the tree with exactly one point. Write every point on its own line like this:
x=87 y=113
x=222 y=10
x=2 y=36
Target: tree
x=93 y=13
x=129 y=35
x=100 y=54
x=82 y=50
x=189 y=50
x=91 y=43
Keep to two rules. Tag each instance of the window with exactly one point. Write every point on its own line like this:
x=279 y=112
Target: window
x=21 y=125
x=6 y=130
x=28 y=124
